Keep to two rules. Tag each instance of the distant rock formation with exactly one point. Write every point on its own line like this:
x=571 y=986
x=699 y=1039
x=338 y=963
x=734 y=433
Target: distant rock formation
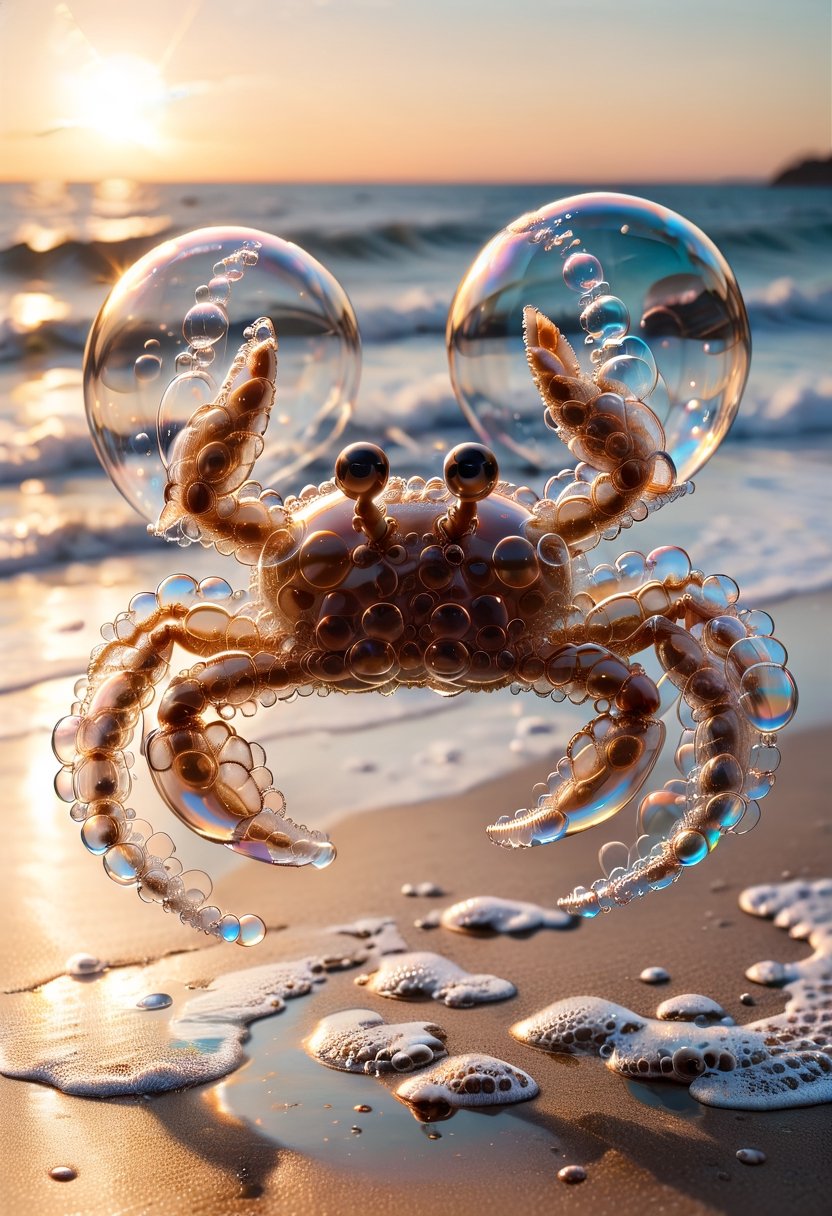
x=811 y=171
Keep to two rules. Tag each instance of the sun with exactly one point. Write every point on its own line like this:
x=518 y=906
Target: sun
x=121 y=98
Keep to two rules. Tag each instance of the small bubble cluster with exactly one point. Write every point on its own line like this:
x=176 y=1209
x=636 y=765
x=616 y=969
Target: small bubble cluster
x=692 y=1007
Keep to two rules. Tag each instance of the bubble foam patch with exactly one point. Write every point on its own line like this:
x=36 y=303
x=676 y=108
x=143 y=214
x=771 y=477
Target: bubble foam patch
x=469 y=1080
x=359 y=1040
x=96 y=1040
x=770 y=1064
x=421 y=973
x=488 y=912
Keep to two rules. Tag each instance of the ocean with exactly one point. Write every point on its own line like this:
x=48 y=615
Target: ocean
x=72 y=552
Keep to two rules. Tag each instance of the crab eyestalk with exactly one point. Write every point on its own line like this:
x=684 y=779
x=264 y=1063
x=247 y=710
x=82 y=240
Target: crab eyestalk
x=361 y=472
x=471 y=473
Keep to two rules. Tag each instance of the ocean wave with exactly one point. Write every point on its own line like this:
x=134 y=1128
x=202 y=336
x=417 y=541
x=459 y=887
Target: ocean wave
x=797 y=407
x=95 y=257
x=17 y=342
x=421 y=408
x=783 y=302
x=45 y=449
x=777 y=234
x=32 y=545
x=416 y=312
x=390 y=240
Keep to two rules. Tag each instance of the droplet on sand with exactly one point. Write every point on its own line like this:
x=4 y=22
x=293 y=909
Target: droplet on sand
x=654 y=975
x=572 y=1174
x=155 y=1000
x=63 y=1173
x=751 y=1156
x=81 y=966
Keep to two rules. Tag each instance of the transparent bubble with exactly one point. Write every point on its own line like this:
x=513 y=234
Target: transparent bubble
x=605 y=318
x=582 y=272
x=165 y=339
x=644 y=298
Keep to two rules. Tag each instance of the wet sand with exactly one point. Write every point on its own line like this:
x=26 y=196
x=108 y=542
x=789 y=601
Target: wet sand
x=645 y=1148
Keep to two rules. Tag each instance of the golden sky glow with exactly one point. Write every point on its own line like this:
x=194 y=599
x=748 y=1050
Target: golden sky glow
x=410 y=90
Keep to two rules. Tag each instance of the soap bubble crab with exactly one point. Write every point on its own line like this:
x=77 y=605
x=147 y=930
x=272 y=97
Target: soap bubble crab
x=460 y=583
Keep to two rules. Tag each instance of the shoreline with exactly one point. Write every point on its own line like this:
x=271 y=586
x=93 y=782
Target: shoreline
x=646 y=1148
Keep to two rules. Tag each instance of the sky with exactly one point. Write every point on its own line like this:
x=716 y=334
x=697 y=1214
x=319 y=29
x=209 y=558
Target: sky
x=412 y=90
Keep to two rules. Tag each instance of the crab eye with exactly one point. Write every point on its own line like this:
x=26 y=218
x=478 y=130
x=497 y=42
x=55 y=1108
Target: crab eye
x=471 y=471
x=362 y=470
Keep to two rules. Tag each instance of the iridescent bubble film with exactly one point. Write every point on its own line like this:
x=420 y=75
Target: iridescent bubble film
x=646 y=300
x=168 y=332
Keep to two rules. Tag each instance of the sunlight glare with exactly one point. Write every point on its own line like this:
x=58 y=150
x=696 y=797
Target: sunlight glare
x=120 y=98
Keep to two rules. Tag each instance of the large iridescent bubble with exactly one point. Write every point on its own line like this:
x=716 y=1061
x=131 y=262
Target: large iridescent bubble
x=168 y=332
x=646 y=300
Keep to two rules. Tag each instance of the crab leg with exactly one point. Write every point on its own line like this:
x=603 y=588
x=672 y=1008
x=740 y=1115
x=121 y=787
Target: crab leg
x=736 y=692
x=93 y=745
x=211 y=777
x=606 y=763
x=620 y=441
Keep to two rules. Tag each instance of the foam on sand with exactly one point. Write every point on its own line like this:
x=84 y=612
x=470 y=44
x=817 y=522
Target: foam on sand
x=465 y=1081
x=769 y=1064
x=98 y=1040
x=489 y=912
x=421 y=973
x=359 y=1040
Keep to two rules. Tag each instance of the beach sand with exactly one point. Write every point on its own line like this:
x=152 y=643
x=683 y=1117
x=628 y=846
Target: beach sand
x=646 y=1148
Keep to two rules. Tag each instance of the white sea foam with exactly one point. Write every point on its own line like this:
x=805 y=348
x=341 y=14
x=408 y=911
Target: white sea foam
x=359 y=1040
x=420 y=973
x=502 y=916
x=95 y=1039
x=469 y=1080
x=770 y=1064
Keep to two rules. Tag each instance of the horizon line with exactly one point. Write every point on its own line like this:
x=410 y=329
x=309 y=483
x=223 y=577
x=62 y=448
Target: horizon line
x=581 y=183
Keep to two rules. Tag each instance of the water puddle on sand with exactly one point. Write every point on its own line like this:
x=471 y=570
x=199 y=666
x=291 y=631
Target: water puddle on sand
x=676 y=1101
x=299 y=1104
